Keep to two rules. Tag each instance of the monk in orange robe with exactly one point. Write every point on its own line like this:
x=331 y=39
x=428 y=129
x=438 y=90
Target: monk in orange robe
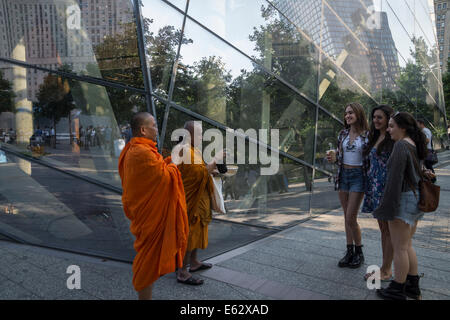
x=153 y=199
x=200 y=200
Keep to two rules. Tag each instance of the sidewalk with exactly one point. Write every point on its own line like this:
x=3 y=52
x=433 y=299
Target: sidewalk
x=297 y=263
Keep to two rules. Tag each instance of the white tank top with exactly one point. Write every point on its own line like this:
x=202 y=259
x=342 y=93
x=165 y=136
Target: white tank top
x=353 y=153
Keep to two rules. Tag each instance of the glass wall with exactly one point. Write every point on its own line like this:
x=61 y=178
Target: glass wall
x=72 y=74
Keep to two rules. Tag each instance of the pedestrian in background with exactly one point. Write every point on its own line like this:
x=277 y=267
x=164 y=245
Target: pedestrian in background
x=377 y=153
x=351 y=178
x=429 y=139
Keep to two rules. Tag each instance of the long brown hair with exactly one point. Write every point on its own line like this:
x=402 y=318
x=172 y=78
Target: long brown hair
x=387 y=144
x=361 y=120
x=406 y=121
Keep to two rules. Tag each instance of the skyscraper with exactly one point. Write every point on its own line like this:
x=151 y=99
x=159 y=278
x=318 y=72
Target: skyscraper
x=351 y=33
x=60 y=32
x=441 y=9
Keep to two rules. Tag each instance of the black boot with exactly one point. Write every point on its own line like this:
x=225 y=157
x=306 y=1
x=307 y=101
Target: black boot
x=358 y=258
x=412 y=289
x=344 y=262
x=395 y=291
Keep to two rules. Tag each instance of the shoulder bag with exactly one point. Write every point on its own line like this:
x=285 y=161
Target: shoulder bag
x=428 y=191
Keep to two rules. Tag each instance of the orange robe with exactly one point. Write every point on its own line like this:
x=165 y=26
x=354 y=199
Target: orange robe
x=153 y=199
x=198 y=186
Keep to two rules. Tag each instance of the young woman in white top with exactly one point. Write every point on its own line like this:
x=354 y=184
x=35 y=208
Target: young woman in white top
x=351 y=178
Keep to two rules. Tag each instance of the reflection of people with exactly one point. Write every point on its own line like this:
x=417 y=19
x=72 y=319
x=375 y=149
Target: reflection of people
x=153 y=199
x=378 y=150
x=200 y=200
x=53 y=137
x=399 y=204
x=351 y=179
x=429 y=139
x=108 y=133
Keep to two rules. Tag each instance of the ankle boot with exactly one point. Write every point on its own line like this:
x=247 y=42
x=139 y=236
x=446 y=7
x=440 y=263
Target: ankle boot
x=344 y=262
x=358 y=258
x=412 y=289
x=395 y=291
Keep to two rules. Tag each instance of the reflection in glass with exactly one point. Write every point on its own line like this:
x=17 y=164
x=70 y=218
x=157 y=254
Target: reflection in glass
x=261 y=32
x=96 y=39
x=72 y=125
x=276 y=201
x=162 y=31
x=227 y=88
x=42 y=206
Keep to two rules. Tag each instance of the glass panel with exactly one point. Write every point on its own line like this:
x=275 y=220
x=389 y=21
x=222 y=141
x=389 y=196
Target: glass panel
x=181 y=4
x=68 y=124
x=261 y=32
x=277 y=201
x=419 y=85
x=211 y=81
x=162 y=36
x=336 y=90
x=95 y=39
x=324 y=198
x=43 y=206
x=327 y=135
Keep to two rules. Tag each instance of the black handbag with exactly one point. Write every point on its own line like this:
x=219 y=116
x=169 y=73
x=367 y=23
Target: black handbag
x=432 y=155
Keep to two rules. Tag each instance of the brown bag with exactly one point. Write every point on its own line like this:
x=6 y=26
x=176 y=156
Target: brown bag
x=428 y=191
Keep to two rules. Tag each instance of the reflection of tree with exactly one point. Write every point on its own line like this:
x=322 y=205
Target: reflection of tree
x=55 y=99
x=411 y=95
x=6 y=95
x=118 y=60
x=446 y=83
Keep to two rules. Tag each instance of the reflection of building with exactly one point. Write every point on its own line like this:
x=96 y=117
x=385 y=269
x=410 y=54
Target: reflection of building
x=443 y=31
x=369 y=53
x=57 y=32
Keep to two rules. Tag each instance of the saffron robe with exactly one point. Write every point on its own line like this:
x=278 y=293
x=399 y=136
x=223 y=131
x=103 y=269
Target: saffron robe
x=153 y=199
x=198 y=187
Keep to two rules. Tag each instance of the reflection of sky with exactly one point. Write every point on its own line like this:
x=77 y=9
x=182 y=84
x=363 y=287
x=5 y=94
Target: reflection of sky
x=234 y=21
x=400 y=36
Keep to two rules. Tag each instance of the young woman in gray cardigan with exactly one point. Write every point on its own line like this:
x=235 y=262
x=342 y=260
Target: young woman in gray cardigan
x=399 y=204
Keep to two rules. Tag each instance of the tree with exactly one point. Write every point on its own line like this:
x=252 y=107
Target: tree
x=55 y=99
x=6 y=95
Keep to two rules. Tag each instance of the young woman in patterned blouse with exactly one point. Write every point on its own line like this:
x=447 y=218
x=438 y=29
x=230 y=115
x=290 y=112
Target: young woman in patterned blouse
x=377 y=153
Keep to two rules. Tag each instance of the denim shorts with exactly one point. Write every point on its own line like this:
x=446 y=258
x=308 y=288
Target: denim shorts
x=351 y=180
x=408 y=210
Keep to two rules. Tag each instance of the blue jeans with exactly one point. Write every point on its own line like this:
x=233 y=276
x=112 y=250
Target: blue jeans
x=351 y=180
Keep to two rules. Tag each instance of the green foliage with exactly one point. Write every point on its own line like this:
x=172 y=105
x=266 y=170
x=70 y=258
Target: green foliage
x=6 y=95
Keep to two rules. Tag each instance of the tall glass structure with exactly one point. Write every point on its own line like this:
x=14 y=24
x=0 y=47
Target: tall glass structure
x=73 y=72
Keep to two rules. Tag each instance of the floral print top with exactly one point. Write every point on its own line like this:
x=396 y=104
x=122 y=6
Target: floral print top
x=376 y=180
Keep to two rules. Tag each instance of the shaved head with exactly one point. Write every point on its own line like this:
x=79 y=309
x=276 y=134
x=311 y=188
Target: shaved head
x=139 y=119
x=143 y=124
